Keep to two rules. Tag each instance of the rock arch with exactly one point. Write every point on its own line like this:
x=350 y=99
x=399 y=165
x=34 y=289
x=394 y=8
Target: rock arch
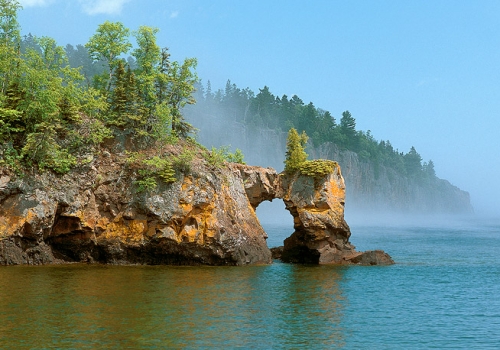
x=321 y=235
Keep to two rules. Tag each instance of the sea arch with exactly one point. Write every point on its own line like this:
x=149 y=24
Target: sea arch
x=316 y=204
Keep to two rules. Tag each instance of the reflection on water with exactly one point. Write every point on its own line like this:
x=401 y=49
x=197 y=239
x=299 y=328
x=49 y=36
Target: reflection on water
x=442 y=293
x=311 y=308
x=79 y=306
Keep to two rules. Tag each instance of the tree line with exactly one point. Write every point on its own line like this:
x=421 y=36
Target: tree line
x=56 y=103
x=266 y=110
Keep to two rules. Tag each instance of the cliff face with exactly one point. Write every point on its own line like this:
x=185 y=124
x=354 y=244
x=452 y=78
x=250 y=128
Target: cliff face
x=371 y=188
x=207 y=217
x=94 y=215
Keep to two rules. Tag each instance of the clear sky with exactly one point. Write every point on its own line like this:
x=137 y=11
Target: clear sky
x=417 y=73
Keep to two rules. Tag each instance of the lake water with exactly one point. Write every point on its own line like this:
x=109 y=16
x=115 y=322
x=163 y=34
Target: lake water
x=444 y=292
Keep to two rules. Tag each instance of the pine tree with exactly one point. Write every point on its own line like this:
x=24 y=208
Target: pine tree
x=295 y=153
x=119 y=99
x=137 y=112
x=413 y=163
x=348 y=130
x=428 y=169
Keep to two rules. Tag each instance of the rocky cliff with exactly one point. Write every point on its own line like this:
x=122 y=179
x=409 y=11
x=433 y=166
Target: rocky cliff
x=95 y=214
x=371 y=188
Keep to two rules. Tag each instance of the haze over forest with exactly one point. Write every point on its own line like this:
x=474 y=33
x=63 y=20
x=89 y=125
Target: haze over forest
x=417 y=74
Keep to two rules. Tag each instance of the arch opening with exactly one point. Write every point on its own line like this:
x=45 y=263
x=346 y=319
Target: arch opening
x=276 y=221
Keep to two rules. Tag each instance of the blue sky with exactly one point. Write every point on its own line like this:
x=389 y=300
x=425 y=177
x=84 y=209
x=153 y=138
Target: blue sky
x=417 y=73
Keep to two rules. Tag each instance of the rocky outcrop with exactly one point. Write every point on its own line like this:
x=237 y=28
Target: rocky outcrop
x=321 y=234
x=93 y=214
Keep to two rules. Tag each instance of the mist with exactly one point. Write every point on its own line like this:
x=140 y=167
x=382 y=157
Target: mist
x=374 y=193
x=422 y=74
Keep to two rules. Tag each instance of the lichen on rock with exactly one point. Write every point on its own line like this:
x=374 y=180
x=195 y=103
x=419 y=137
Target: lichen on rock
x=316 y=204
x=207 y=216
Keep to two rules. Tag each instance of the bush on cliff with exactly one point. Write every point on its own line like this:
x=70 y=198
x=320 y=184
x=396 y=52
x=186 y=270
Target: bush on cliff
x=216 y=157
x=317 y=167
x=295 y=150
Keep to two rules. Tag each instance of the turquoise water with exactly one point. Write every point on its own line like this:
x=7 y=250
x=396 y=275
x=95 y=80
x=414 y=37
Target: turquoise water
x=444 y=292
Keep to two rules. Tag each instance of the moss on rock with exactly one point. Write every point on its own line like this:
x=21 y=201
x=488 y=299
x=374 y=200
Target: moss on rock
x=317 y=167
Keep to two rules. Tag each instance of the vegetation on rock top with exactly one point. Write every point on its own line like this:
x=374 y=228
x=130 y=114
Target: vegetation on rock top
x=296 y=157
x=58 y=106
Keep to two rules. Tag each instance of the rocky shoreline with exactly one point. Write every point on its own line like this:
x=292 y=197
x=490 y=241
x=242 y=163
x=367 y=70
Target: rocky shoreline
x=207 y=217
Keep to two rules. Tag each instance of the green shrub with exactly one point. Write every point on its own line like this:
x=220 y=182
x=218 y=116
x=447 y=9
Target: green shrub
x=236 y=157
x=216 y=157
x=42 y=149
x=146 y=184
x=10 y=157
x=150 y=170
x=167 y=173
x=317 y=167
x=62 y=162
x=183 y=161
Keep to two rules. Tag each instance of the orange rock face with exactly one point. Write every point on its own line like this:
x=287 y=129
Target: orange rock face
x=317 y=205
x=207 y=217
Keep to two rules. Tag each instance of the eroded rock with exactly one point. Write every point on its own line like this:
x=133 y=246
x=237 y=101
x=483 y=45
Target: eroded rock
x=94 y=214
x=321 y=234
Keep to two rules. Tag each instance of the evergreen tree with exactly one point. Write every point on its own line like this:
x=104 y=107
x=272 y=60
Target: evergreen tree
x=295 y=150
x=262 y=108
x=161 y=80
x=135 y=103
x=412 y=161
x=208 y=95
x=119 y=99
x=29 y=42
x=307 y=119
x=348 y=130
x=108 y=43
x=428 y=169
x=79 y=57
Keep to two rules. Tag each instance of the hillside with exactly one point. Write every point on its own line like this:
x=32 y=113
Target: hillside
x=378 y=177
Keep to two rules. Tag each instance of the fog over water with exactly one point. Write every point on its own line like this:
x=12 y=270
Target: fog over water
x=422 y=74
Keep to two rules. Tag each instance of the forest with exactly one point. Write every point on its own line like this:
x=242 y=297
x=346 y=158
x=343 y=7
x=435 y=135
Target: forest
x=265 y=110
x=60 y=102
